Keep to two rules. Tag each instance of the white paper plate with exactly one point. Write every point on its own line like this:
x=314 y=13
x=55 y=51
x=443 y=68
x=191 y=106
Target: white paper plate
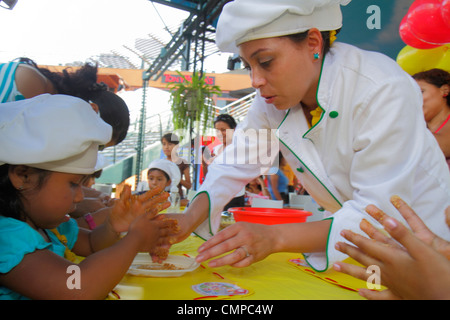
x=142 y=265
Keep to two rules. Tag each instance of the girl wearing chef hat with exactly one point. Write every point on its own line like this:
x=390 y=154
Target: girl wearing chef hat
x=163 y=173
x=49 y=146
x=349 y=122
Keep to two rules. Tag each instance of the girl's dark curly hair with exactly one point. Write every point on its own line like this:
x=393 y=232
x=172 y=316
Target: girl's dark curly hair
x=11 y=201
x=83 y=84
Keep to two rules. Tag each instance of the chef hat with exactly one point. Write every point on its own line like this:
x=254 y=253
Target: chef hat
x=52 y=132
x=245 y=20
x=170 y=168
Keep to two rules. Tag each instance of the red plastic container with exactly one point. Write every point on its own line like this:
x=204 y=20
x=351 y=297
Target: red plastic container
x=269 y=215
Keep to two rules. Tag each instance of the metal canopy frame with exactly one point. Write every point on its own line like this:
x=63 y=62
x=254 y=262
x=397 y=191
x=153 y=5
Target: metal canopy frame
x=197 y=29
x=191 y=6
x=195 y=32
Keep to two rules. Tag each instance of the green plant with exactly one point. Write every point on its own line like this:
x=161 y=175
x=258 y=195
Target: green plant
x=191 y=102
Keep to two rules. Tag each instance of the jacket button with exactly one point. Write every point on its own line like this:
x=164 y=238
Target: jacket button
x=333 y=114
x=300 y=170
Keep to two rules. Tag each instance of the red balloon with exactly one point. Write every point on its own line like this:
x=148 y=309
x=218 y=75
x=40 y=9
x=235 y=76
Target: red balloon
x=427 y=24
x=445 y=12
x=410 y=39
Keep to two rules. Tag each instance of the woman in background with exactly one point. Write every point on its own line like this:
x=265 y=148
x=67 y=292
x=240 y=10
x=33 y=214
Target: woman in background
x=225 y=125
x=435 y=86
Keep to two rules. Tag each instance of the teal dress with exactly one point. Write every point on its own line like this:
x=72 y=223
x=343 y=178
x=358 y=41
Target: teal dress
x=8 y=88
x=17 y=239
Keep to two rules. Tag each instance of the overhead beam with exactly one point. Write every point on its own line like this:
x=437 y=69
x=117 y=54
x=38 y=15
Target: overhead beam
x=207 y=14
x=179 y=4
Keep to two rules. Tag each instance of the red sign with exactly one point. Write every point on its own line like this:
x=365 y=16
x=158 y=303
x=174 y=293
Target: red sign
x=167 y=78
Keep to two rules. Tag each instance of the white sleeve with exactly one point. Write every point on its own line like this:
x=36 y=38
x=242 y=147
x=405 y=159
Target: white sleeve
x=240 y=162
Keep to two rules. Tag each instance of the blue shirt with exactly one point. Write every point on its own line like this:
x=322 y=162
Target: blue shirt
x=283 y=183
x=17 y=239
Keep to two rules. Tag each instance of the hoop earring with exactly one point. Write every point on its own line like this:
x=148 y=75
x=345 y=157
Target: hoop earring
x=316 y=56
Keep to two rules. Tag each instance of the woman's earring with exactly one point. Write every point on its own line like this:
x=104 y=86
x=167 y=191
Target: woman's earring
x=316 y=56
x=20 y=188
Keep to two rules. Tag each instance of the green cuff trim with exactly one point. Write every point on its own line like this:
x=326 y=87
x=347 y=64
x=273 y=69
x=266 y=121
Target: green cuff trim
x=209 y=214
x=326 y=250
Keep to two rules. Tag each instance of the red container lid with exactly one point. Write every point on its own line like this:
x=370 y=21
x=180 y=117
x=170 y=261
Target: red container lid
x=269 y=215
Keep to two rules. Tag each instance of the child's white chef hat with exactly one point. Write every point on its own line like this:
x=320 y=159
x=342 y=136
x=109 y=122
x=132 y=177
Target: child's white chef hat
x=245 y=20
x=52 y=132
x=170 y=168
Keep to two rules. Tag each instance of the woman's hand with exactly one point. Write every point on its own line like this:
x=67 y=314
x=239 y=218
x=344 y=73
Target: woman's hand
x=196 y=213
x=248 y=243
x=129 y=207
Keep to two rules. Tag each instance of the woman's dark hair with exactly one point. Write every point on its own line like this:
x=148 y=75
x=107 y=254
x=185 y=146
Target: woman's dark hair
x=436 y=77
x=171 y=138
x=299 y=37
x=83 y=84
x=227 y=119
x=10 y=198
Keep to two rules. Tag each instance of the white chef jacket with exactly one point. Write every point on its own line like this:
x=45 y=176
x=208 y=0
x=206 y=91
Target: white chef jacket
x=370 y=143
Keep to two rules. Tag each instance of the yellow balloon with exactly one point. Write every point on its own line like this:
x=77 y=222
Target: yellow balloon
x=414 y=60
x=444 y=63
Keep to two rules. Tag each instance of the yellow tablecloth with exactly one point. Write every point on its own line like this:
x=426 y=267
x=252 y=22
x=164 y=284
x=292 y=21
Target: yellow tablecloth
x=275 y=278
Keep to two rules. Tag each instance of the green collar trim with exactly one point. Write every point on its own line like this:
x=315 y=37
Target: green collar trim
x=308 y=168
x=323 y=112
x=317 y=100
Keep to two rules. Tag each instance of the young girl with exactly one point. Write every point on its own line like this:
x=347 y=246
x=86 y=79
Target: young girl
x=163 y=174
x=23 y=79
x=41 y=174
x=169 y=146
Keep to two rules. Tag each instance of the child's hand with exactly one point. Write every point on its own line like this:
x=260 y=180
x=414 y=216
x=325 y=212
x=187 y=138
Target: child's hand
x=129 y=207
x=418 y=227
x=161 y=251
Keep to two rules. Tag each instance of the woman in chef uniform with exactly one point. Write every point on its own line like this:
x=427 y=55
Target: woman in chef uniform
x=349 y=122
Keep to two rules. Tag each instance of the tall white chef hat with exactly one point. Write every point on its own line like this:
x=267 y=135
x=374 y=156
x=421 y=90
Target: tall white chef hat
x=245 y=20
x=52 y=132
x=170 y=168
